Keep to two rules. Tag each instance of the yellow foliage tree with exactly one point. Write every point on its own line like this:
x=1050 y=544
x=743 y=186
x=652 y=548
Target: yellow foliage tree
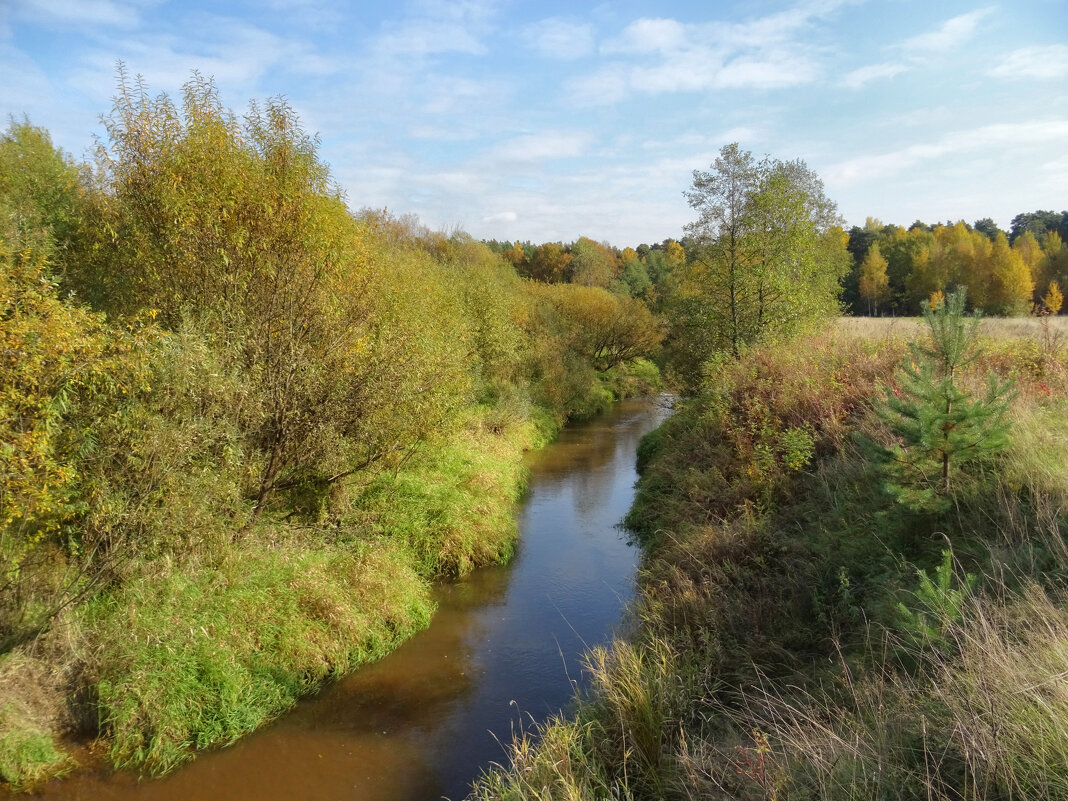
x=874 y=284
x=1053 y=298
x=1011 y=284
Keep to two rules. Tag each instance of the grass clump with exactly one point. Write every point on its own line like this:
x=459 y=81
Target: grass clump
x=31 y=709
x=196 y=658
x=452 y=505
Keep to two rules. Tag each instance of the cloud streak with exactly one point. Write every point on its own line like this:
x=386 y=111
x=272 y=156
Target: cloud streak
x=990 y=137
x=950 y=35
x=859 y=78
x=664 y=56
x=559 y=39
x=1045 y=63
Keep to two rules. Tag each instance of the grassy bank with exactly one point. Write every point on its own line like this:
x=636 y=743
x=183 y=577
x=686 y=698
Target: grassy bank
x=805 y=634
x=194 y=653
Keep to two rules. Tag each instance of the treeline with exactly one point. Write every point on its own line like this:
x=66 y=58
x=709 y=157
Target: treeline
x=640 y=272
x=896 y=269
x=893 y=269
x=218 y=386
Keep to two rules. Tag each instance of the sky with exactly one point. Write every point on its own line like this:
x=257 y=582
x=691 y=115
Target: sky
x=546 y=121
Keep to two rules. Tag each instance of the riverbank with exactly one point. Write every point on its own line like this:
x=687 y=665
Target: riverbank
x=805 y=634
x=501 y=650
x=196 y=654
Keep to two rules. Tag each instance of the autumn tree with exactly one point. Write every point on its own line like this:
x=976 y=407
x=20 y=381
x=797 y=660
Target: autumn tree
x=1054 y=266
x=549 y=263
x=765 y=259
x=607 y=328
x=593 y=264
x=634 y=274
x=874 y=285
x=1011 y=283
x=238 y=225
x=1053 y=298
x=517 y=257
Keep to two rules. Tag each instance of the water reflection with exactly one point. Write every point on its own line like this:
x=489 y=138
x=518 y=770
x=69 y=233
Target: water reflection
x=504 y=644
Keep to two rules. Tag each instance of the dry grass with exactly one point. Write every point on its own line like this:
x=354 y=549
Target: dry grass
x=773 y=662
x=32 y=709
x=991 y=327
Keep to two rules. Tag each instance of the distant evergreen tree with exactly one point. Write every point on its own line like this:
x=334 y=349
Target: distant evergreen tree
x=937 y=426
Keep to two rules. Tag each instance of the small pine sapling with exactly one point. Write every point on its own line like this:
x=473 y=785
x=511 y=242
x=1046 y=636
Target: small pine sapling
x=937 y=425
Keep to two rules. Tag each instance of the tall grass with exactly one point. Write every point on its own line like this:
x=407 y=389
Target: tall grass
x=193 y=659
x=774 y=660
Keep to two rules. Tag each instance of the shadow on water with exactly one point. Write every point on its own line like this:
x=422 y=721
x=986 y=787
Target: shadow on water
x=504 y=649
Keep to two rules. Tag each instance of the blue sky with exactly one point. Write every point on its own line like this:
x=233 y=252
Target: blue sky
x=552 y=120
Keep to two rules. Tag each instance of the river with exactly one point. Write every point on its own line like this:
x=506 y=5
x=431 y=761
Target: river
x=504 y=649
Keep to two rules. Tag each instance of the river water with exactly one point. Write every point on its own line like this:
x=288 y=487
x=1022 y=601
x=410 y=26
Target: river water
x=504 y=649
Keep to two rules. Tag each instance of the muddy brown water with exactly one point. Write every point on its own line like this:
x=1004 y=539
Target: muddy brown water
x=503 y=650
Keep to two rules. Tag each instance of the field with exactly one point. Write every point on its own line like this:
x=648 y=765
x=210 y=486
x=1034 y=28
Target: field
x=992 y=327
x=820 y=619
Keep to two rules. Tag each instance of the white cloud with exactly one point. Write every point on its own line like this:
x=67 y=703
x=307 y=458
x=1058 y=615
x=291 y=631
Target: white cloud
x=237 y=55
x=1034 y=62
x=558 y=38
x=605 y=86
x=504 y=216
x=648 y=36
x=950 y=34
x=453 y=96
x=61 y=13
x=861 y=77
x=660 y=56
x=773 y=71
x=437 y=27
x=1002 y=135
x=543 y=146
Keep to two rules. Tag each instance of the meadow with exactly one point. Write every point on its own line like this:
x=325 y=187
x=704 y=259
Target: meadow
x=811 y=624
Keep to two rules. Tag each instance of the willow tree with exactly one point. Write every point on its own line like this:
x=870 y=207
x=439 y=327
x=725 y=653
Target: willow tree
x=766 y=253
x=236 y=225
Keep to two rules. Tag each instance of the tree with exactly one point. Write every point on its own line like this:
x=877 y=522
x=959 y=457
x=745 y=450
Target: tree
x=874 y=285
x=765 y=258
x=593 y=264
x=1053 y=298
x=937 y=426
x=1011 y=283
x=988 y=228
x=1039 y=223
x=1030 y=251
x=1054 y=264
x=239 y=226
x=517 y=256
x=549 y=263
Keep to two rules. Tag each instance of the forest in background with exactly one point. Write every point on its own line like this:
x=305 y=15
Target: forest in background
x=893 y=269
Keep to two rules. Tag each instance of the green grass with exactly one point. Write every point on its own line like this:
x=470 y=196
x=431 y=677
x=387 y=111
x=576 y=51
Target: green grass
x=452 y=505
x=28 y=755
x=194 y=655
x=29 y=714
x=196 y=658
